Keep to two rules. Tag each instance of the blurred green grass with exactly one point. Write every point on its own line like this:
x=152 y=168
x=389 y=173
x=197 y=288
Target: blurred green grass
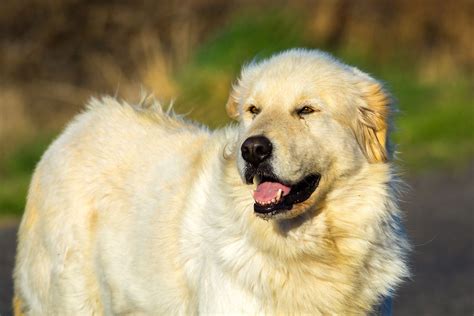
x=434 y=126
x=16 y=169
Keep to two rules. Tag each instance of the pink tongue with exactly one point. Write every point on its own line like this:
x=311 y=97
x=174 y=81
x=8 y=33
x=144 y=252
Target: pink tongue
x=266 y=191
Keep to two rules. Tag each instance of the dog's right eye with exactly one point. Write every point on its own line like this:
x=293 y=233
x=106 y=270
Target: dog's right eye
x=305 y=110
x=253 y=109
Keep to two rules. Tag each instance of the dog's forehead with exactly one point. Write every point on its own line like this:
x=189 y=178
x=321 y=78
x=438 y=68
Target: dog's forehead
x=291 y=89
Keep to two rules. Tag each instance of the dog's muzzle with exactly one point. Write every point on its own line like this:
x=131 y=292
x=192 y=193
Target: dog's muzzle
x=272 y=195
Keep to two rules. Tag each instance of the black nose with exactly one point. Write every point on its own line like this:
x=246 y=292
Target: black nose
x=256 y=149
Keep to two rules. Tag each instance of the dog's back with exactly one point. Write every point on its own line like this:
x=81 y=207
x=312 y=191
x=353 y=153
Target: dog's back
x=88 y=198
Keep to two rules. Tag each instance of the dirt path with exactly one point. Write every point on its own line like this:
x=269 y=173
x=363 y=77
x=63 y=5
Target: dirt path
x=440 y=222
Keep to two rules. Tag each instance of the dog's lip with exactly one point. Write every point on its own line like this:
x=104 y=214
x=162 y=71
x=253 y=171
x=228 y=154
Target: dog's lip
x=300 y=192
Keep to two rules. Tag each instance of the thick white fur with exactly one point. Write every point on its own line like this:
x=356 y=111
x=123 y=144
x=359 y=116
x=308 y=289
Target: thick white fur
x=134 y=211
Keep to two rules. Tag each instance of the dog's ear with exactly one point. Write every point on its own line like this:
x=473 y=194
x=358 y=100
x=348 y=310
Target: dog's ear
x=232 y=105
x=373 y=121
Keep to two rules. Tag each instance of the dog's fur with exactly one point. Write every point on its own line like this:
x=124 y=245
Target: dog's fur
x=136 y=211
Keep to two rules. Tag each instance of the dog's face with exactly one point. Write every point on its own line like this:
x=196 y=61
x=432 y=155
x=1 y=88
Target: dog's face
x=306 y=121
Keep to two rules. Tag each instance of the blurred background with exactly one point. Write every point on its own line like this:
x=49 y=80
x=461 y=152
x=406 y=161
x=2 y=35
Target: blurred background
x=56 y=54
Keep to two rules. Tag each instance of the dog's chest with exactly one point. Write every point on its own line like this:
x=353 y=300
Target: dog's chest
x=218 y=293
x=250 y=285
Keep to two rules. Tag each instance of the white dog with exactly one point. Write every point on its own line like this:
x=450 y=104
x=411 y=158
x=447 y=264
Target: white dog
x=136 y=211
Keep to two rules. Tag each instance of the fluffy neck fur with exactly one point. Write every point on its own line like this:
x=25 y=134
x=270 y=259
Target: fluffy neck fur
x=342 y=257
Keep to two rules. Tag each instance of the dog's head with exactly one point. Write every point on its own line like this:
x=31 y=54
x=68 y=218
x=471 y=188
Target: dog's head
x=306 y=121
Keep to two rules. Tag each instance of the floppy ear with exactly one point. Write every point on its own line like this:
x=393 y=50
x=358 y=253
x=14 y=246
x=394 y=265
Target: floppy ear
x=373 y=125
x=232 y=106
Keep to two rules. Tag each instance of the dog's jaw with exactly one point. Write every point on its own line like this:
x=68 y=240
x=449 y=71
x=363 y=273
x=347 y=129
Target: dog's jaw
x=276 y=198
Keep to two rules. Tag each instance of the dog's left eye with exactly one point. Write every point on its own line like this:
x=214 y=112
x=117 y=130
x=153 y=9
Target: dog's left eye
x=305 y=110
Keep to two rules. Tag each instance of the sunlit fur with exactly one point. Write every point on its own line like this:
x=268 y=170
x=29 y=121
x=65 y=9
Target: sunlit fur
x=136 y=211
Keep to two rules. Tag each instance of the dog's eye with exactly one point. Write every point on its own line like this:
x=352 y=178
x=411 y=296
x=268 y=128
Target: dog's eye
x=305 y=110
x=253 y=109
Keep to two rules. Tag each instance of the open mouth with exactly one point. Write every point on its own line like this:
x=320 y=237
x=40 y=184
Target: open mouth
x=272 y=196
